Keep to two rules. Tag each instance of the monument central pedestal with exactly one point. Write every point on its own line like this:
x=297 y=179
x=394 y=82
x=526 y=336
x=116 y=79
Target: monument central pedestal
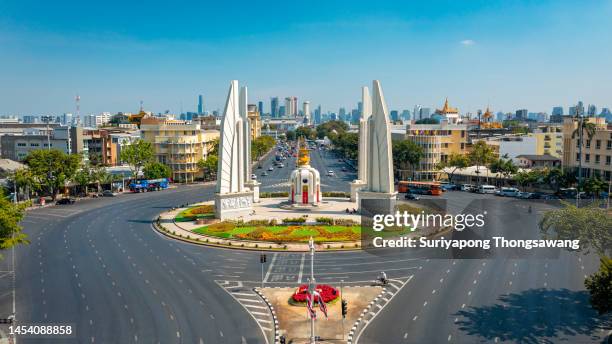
x=233 y=205
x=356 y=185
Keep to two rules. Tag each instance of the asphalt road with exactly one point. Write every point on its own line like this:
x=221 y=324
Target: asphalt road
x=99 y=266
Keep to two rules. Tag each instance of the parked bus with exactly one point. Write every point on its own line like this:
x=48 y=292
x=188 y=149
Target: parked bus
x=423 y=188
x=145 y=185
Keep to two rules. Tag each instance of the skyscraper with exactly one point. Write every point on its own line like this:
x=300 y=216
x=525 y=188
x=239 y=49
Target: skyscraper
x=291 y=107
x=306 y=110
x=405 y=116
x=317 y=115
x=521 y=114
x=274 y=109
x=260 y=107
x=592 y=110
x=200 y=105
x=282 y=111
x=416 y=113
x=394 y=114
x=557 y=111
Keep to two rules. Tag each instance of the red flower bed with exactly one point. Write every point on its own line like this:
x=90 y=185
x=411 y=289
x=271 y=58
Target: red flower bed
x=327 y=292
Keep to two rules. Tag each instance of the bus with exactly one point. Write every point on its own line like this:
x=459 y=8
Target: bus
x=145 y=185
x=423 y=188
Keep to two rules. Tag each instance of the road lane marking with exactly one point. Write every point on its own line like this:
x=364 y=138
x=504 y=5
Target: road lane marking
x=301 y=267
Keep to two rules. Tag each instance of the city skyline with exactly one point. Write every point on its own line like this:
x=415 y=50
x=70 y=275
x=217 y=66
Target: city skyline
x=528 y=56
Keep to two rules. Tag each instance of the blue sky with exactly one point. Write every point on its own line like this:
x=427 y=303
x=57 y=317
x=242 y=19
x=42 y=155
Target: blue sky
x=511 y=54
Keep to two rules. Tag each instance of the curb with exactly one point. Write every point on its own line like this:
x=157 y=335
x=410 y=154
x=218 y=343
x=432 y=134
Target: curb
x=276 y=332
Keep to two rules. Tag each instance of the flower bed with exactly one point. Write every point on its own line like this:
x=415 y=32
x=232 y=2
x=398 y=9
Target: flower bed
x=327 y=292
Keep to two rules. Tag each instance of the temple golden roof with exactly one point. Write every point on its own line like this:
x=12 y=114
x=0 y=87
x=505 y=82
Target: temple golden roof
x=488 y=114
x=447 y=109
x=304 y=153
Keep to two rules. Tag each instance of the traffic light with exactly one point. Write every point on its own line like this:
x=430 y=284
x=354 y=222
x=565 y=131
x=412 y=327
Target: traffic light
x=344 y=308
x=262 y=258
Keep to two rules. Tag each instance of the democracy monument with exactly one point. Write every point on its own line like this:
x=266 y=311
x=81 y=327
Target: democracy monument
x=239 y=217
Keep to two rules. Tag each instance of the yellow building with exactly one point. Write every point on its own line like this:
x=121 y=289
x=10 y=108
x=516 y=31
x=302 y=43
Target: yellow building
x=254 y=121
x=596 y=152
x=438 y=142
x=549 y=140
x=178 y=144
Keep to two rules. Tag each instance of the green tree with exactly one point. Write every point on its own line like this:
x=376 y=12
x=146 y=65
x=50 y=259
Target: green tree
x=137 y=155
x=346 y=144
x=10 y=230
x=455 y=162
x=306 y=132
x=261 y=146
x=406 y=153
x=594 y=186
x=591 y=225
x=584 y=128
x=83 y=177
x=599 y=286
x=290 y=135
x=97 y=175
x=53 y=168
x=481 y=155
x=209 y=166
x=557 y=178
x=331 y=128
x=26 y=182
x=156 y=170
x=503 y=166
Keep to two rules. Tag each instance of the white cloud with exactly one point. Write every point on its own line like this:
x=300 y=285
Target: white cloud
x=467 y=42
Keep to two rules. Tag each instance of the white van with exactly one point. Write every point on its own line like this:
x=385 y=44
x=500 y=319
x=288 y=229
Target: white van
x=486 y=189
x=509 y=192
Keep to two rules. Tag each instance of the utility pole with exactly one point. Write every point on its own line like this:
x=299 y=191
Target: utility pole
x=311 y=289
x=343 y=307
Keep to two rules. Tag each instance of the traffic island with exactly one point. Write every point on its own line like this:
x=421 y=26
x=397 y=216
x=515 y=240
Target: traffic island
x=294 y=322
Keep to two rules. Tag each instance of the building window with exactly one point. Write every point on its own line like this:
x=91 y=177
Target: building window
x=577 y=156
x=462 y=133
x=609 y=145
x=21 y=144
x=588 y=143
x=587 y=157
x=598 y=144
x=597 y=158
x=608 y=158
x=34 y=145
x=462 y=146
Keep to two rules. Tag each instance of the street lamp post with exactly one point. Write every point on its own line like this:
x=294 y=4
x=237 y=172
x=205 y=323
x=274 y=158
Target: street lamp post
x=341 y=305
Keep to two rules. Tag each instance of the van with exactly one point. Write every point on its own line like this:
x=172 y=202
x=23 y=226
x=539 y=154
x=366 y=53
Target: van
x=509 y=192
x=486 y=189
x=467 y=187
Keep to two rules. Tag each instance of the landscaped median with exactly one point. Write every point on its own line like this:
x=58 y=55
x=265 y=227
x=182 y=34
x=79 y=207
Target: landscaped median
x=196 y=224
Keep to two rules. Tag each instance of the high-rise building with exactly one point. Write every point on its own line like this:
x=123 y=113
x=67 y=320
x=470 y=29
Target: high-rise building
x=521 y=114
x=200 y=105
x=260 y=106
x=317 y=115
x=274 y=107
x=557 y=111
x=405 y=116
x=291 y=107
x=342 y=114
x=425 y=113
x=306 y=109
x=360 y=107
x=592 y=110
x=281 y=111
x=394 y=115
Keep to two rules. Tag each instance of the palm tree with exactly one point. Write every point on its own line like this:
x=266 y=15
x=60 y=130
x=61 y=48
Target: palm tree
x=504 y=165
x=583 y=128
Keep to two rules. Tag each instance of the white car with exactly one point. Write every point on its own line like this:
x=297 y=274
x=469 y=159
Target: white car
x=253 y=176
x=331 y=173
x=270 y=168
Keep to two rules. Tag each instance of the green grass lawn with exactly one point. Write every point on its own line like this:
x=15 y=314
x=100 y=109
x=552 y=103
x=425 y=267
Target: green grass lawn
x=298 y=233
x=194 y=213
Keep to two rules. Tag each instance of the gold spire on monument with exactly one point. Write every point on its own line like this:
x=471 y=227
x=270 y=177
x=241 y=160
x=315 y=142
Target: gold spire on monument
x=304 y=153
